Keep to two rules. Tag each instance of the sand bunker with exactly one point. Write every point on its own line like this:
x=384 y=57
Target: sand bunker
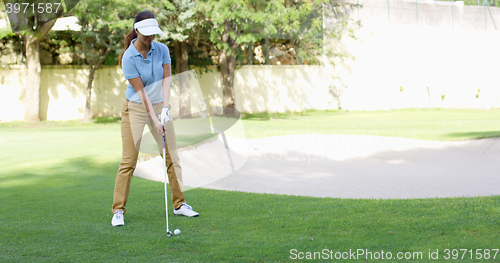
x=343 y=166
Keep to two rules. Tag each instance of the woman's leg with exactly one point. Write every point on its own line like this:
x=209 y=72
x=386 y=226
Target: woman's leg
x=130 y=127
x=177 y=187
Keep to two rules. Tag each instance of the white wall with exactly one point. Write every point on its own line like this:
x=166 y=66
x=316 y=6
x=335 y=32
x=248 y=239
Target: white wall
x=11 y=94
x=428 y=13
x=257 y=89
x=403 y=66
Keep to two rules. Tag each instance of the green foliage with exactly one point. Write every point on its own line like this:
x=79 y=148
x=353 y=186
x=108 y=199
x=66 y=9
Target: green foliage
x=6 y=32
x=177 y=19
x=232 y=23
x=60 y=42
x=199 y=62
x=181 y=21
x=494 y=3
x=227 y=23
x=303 y=24
x=111 y=59
x=102 y=29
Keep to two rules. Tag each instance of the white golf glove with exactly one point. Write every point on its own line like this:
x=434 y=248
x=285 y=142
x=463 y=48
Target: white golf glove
x=164 y=116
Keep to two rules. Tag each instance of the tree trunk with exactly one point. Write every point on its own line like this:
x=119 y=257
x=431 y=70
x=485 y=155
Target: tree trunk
x=181 y=61
x=88 y=114
x=227 y=65
x=32 y=99
x=32 y=85
x=296 y=45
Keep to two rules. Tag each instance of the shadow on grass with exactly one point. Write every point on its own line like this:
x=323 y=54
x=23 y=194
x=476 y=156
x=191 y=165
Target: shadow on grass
x=475 y=135
x=58 y=124
x=76 y=171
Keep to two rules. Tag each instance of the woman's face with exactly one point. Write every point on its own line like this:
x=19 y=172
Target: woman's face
x=145 y=40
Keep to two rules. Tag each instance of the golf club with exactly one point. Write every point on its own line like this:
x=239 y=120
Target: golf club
x=169 y=234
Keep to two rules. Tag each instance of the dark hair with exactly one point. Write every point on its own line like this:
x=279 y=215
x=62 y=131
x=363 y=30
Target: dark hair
x=131 y=35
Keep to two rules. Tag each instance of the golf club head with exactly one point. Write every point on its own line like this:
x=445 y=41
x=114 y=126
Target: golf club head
x=169 y=234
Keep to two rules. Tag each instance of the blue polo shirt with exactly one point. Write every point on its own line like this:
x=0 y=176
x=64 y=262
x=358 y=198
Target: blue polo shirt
x=150 y=70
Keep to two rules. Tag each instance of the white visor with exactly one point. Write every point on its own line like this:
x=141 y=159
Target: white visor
x=148 y=27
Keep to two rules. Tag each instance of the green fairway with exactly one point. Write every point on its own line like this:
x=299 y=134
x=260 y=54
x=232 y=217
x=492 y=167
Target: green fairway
x=423 y=124
x=57 y=180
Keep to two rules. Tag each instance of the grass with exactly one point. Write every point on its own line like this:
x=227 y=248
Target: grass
x=57 y=179
x=423 y=124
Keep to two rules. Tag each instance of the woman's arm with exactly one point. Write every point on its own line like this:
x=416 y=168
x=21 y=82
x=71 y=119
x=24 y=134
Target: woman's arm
x=139 y=88
x=166 y=84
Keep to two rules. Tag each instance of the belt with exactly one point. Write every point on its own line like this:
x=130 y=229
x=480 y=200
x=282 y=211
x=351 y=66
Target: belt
x=141 y=102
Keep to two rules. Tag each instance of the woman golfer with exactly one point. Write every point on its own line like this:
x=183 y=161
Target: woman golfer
x=146 y=65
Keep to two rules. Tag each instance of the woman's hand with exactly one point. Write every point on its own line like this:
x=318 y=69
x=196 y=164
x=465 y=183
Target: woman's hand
x=165 y=115
x=159 y=127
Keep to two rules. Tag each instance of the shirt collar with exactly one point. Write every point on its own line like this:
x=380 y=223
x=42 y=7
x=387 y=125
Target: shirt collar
x=134 y=50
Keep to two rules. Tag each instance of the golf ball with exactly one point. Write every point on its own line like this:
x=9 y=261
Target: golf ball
x=177 y=231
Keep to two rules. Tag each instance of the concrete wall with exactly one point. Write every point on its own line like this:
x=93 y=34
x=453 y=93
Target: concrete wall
x=428 y=13
x=12 y=94
x=257 y=89
x=62 y=92
x=282 y=88
x=400 y=64
x=403 y=66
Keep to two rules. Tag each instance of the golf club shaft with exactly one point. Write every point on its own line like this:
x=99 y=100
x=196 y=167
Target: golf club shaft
x=165 y=178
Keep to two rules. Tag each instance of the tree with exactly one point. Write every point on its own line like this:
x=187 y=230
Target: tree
x=178 y=20
x=302 y=23
x=232 y=23
x=34 y=24
x=101 y=33
x=313 y=26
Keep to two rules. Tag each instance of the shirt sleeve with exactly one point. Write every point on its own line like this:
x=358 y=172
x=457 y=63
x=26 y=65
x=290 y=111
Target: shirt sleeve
x=166 y=55
x=129 y=69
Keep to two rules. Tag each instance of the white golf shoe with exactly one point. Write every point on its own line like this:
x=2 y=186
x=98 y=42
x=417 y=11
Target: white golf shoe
x=118 y=219
x=186 y=210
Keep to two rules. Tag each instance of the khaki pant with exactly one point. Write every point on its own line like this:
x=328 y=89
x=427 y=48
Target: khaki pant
x=134 y=118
